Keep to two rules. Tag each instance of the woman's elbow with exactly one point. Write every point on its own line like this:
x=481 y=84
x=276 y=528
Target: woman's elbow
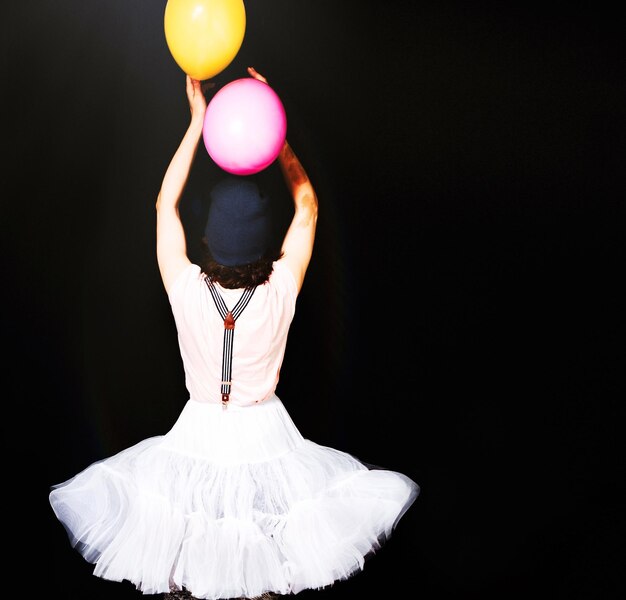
x=307 y=199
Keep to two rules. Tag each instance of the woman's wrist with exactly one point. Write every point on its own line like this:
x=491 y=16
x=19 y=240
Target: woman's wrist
x=197 y=121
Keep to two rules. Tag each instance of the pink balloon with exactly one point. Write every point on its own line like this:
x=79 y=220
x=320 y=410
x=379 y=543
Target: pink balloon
x=244 y=126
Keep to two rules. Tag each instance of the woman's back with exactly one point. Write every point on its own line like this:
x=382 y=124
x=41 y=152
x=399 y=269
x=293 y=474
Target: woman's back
x=259 y=335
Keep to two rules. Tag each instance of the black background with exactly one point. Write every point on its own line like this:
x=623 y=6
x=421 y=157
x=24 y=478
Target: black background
x=461 y=321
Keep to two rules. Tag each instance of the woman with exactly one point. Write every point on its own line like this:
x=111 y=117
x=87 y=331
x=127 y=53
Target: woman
x=232 y=502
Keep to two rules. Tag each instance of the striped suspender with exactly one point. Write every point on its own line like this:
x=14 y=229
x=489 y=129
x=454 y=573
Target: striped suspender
x=229 y=316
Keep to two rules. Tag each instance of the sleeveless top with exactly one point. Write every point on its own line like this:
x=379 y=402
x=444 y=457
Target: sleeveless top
x=260 y=336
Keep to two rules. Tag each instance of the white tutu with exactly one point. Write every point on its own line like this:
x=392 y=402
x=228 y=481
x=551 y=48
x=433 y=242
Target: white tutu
x=228 y=504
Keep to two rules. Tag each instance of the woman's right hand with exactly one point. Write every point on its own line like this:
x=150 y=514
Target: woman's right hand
x=253 y=73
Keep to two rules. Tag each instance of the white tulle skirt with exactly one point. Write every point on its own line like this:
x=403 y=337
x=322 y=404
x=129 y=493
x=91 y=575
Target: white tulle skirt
x=230 y=504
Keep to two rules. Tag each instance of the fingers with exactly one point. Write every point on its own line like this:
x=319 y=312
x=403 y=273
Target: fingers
x=193 y=88
x=195 y=93
x=253 y=73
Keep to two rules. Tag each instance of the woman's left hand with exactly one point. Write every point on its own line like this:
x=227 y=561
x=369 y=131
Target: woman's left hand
x=196 y=98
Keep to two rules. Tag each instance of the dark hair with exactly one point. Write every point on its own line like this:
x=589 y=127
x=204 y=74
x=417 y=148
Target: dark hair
x=241 y=276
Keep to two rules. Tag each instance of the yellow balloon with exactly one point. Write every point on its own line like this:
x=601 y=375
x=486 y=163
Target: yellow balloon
x=204 y=36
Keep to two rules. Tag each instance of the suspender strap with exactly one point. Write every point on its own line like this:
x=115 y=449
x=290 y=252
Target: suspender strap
x=229 y=316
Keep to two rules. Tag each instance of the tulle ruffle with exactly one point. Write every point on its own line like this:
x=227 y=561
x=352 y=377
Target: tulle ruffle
x=230 y=504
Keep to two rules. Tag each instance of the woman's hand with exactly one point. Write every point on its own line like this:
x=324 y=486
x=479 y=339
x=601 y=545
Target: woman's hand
x=196 y=98
x=253 y=73
x=196 y=90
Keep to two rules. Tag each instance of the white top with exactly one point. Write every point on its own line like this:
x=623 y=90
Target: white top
x=260 y=336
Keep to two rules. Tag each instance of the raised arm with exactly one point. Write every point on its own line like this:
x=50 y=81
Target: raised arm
x=171 y=245
x=297 y=246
